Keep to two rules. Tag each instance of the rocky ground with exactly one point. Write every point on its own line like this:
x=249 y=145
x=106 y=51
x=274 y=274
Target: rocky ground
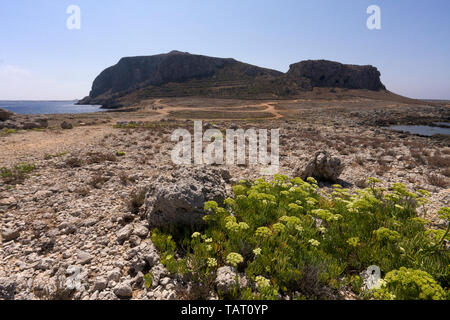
x=76 y=228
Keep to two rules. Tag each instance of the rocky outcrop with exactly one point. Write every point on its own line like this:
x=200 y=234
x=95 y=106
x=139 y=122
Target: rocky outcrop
x=10 y=120
x=323 y=73
x=5 y=114
x=178 y=200
x=323 y=167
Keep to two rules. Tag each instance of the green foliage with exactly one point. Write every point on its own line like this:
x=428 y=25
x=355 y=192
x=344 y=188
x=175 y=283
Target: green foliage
x=120 y=153
x=7 y=132
x=16 y=174
x=148 y=279
x=290 y=239
x=409 y=284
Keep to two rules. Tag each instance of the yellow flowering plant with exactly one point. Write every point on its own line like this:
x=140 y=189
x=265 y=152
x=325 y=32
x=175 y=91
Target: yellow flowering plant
x=284 y=233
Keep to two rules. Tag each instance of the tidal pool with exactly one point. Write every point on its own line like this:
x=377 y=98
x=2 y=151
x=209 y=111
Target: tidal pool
x=422 y=130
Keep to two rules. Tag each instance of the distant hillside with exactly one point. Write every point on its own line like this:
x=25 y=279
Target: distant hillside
x=178 y=74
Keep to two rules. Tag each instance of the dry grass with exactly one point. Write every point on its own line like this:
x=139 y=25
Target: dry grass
x=100 y=157
x=382 y=168
x=438 y=161
x=136 y=201
x=74 y=162
x=438 y=181
x=446 y=172
x=97 y=181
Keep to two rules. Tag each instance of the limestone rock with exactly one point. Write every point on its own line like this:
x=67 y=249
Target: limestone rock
x=179 y=199
x=124 y=233
x=10 y=234
x=323 y=167
x=123 y=290
x=225 y=279
x=84 y=257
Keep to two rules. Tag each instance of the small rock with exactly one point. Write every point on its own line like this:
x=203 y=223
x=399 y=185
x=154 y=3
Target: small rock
x=124 y=233
x=123 y=290
x=10 y=234
x=66 y=125
x=141 y=231
x=8 y=202
x=84 y=257
x=100 y=284
x=114 y=275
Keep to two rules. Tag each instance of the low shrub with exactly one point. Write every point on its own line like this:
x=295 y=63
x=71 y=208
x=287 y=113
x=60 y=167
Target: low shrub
x=409 y=284
x=7 y=132
x=136 y=201
x=16 y=174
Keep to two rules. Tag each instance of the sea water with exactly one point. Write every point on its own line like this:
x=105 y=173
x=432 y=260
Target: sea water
x=47 y=107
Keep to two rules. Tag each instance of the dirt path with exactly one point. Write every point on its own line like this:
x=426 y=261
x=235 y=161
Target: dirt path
x=165 y=110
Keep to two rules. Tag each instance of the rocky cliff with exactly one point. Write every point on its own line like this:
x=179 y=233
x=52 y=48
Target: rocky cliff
x=323 y=73
x=182 y=74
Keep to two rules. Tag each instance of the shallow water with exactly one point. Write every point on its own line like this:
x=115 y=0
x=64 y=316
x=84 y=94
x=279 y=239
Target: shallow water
x=443 y=124
x=422 y=130
x=47 y=107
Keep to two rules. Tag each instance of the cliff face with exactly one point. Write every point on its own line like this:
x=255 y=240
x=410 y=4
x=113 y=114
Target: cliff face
x=173 y=74
x=323 y=73
x=182 y=74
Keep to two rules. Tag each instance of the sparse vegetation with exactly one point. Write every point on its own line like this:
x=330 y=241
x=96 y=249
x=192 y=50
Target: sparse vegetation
x=74 y=162
x=16 y=174
x=100 y=157
x=97 y=181
x=438 y=181
x=136 y=201
x=7 y=132
x=57 y=155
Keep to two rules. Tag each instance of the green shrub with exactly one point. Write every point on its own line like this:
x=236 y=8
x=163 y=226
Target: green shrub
x=297 y=241
x=16 y=174
x=7 y=132
x=409 y=284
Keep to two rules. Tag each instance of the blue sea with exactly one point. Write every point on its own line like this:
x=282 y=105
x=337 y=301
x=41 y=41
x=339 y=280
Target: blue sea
x=47 y=107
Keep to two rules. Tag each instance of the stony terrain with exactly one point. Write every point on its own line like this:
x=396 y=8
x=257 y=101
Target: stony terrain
x=78 y=227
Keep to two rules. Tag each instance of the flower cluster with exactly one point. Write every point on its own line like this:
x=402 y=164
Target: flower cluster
x=234 y=259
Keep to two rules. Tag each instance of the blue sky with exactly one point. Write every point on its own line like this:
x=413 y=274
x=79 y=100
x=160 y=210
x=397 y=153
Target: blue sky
x=41 y=59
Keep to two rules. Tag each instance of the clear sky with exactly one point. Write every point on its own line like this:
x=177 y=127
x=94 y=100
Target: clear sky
x=40 y=58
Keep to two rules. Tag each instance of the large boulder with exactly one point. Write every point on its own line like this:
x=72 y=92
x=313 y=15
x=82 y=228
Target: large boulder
x=323 y=73
x=323 y=167
x=5 y=114
x=178 y=200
